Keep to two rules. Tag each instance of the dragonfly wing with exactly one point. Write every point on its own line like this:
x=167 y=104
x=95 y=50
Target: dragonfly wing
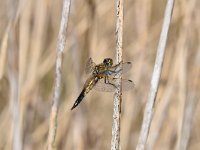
x=126 y=67
x=117 y=68
x=126 y=84
x=104 y=87
x=90 y=65
x=111 y=86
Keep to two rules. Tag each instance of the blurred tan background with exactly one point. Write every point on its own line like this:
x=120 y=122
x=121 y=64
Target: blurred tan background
x=28 y=36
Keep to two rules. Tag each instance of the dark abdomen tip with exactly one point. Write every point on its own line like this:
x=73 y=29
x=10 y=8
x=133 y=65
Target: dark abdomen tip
x=79 y=99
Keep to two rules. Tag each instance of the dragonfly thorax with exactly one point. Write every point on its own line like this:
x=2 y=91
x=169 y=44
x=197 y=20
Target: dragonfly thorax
x=96 y=70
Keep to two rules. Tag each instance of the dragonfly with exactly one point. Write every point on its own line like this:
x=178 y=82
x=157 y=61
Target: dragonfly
x=102 y=78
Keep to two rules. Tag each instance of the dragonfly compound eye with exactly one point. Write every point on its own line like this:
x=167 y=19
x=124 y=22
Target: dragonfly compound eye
x=108 y=62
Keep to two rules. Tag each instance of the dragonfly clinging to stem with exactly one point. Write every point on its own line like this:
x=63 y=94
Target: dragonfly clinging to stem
x=102 y=77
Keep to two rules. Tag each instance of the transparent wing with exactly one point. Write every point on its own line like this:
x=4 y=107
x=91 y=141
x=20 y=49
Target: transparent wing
x=89 y=66
x=111 y=86
x=116 y=69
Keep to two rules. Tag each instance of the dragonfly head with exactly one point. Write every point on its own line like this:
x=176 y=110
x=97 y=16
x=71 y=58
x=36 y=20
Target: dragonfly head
x=108 y=62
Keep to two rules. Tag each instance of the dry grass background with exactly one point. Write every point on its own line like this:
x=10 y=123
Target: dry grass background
x=28 y=36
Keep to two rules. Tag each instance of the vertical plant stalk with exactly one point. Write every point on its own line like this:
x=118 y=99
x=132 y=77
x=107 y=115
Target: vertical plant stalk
x=190 y=105
x=148 y=114
x=11 y=44
x=57 y=85
x=13 y=76
x=3 y=52
x=115 y=143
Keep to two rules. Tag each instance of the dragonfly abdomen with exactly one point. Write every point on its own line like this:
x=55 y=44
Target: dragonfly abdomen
x=79 y=99
x=90 y=83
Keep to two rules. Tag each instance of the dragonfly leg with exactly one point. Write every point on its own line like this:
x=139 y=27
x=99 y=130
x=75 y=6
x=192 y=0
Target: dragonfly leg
x=107 y=82
x=105 y=79
x=117 y=70
x=114 y=71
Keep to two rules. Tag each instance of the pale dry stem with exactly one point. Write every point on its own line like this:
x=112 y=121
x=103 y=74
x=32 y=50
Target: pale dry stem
x=148 y=114
x=115 y=143
x=58 y=73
